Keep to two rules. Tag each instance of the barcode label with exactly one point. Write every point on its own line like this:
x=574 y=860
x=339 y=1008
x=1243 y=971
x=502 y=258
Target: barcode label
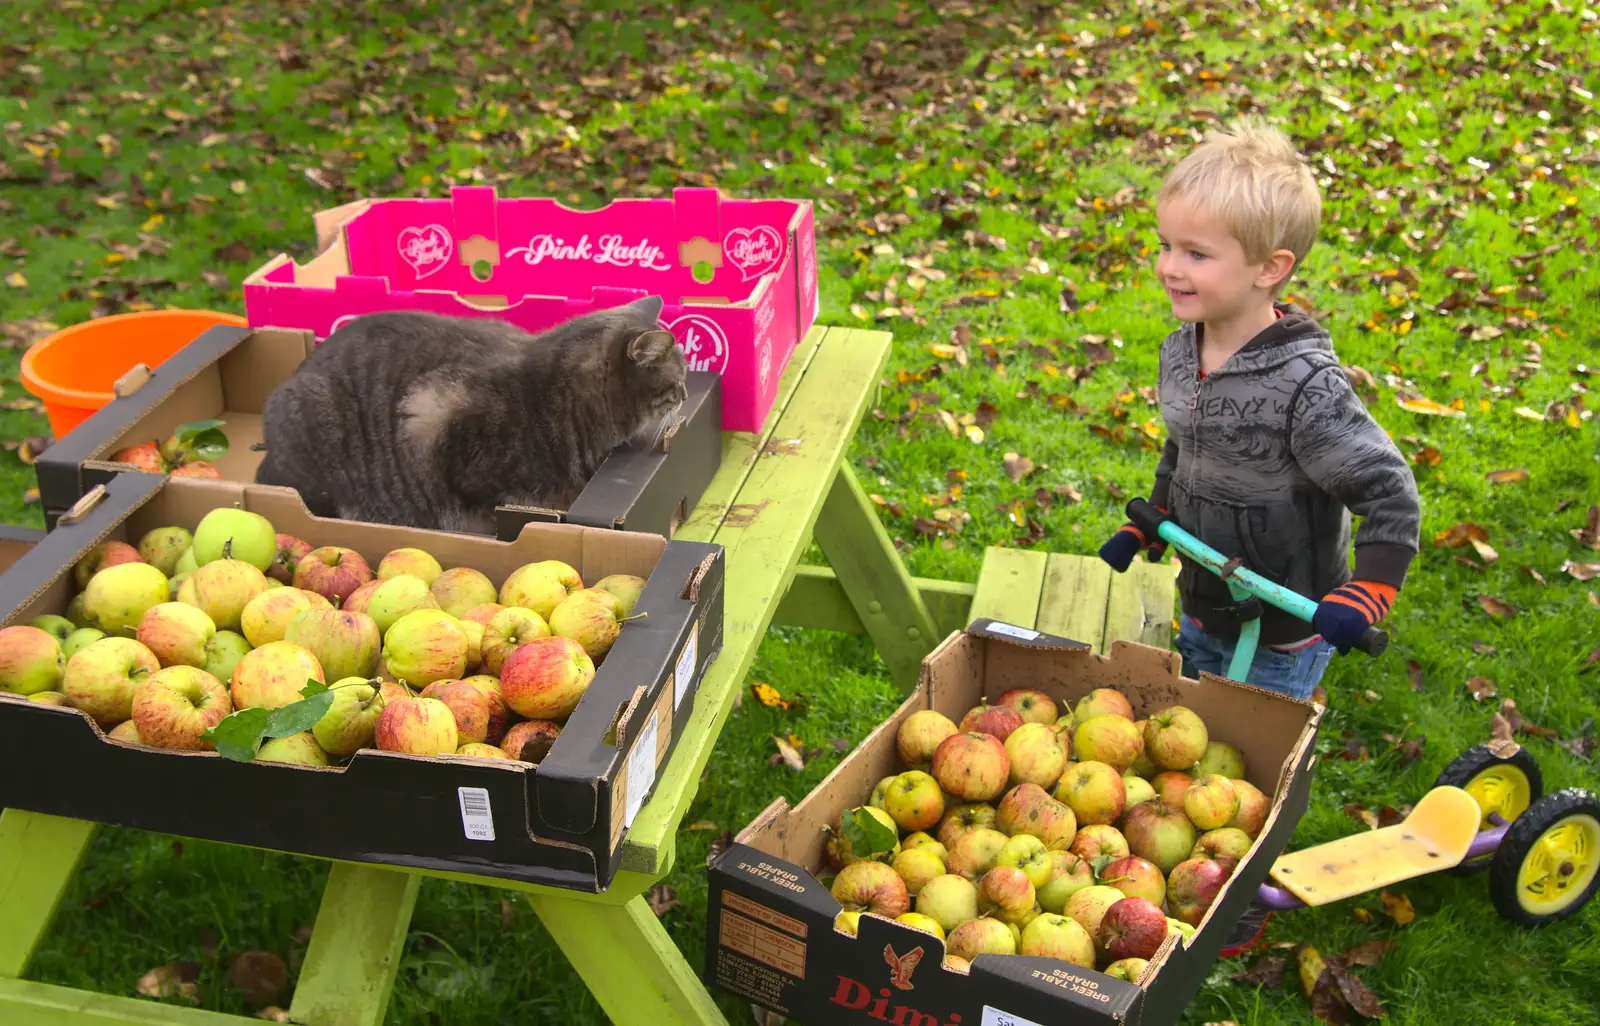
x=688 y=659
x=1014 y=632
x=641 y=770
x=477 y=820
x=992 y=1016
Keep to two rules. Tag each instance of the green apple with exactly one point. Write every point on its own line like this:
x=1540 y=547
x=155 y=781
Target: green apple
x=119 y=596
x=31 y=660
x=414 y=562
x=540 y=586
x=80 y=638
x=101 y=679
x=230 y=533
x=626 y=587
x=273 y=675
x=164 y=546
x=51 y=698
x=221 y=588
x=346 y=644
x=462 y=588
x=297 y=750
x=350 y=721
x=186 y=563
x=50 y=623
x=424 y=646
x=223 y=653
x=267 y=616
x=78 y=614
x=398 y=595
x=508 y=629
x=177 y=633
x=592 y=618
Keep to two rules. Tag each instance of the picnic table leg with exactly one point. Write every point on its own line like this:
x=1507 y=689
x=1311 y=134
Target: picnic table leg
x=629 y=962
x=355 y=946
x=39 y=856
x=868 y=567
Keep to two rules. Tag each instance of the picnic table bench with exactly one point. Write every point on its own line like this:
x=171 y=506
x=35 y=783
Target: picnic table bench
x=776 y=491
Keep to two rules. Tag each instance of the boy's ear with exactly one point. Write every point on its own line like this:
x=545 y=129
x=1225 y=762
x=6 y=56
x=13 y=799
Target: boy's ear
x=1275 y=269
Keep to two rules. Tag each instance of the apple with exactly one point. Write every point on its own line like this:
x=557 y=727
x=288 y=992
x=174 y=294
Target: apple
x=540 y=586
x=31 y=660
x=509 y=628
x=626 y=587
x=425 y=645
x=981 y=937
x=177 y=633
x=1220 y=758
x=977 y=852
x=474 y=631
x=356 y=601
x=530 y=740
x=916 y=867
x=461 y=589
x=1143 y=766
x=469 y=706
x=58 y=627
x=1088 y=906
x=499 y=713
x=164 y=546
x=1176 y=737
x=920 y=839
x=917 y=921
x=198 y=468
x=1171 y=786
x=914 y=801
x=77 y=614
x=1069 y=874
x=80 y=639
x=1180 y=929
x=141 y=457
x=417 y=726
x=1094 y=791
x=185 y=564
x=479 y=750
x=395 y=597
x=1057 y=936
x=1253 y=807
x=345 y=644
x=948 y=900
x=919 y=735
x=105 y=554
x=223 y=653
x=1210 y=802
x=956 y=964
x=1159 y=833
x=999 y=720
x=1032 y=705
x=296 y=750
x=485 y=612
x=57 y=698
x=351 y=722
x=871 y=887
x=971 y=766
x=1129 y=970
x=127 y=731
x=221 y=589
x=1227 y=845
x=848 y=923
x=1037 y=753
x=332 y=571
x=118 y=596
x=291 y=551
x=880 y=792
x=173 y=707
x=1133 y=928
x=1101 y=844
x=1029 y=809
x=101 y=678
x=272 y=676
x=1005 y=887
x=959 y=819
x=267 y=616
x=1027 y=853
x=231 y=533
x=1138 y=789
x=546 y=678
x=1192 y=886
x=1102 y=702
x=1137 y=878
x=410 y=562
x=591 y=617
x=1108 y=739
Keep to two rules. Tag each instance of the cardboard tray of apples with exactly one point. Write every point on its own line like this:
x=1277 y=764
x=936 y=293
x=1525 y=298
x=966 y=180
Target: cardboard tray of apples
x=220 y=630
x=1046 y=807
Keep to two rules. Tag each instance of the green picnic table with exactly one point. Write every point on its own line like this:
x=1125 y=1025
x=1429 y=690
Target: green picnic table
x=776 y=491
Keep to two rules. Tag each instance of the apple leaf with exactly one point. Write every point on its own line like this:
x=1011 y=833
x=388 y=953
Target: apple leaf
x=302 y=715
x=867 y=834
x=239 y=734
x=204 y=438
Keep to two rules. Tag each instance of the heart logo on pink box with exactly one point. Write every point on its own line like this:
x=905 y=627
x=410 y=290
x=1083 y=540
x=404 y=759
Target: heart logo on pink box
x=754 y=251
x=426 y=249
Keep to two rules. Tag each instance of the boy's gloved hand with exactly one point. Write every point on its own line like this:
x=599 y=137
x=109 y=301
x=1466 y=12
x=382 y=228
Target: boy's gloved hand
x=1121 y=547
x=1344 y=614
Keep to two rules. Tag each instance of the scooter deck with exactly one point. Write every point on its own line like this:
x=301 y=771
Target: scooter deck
x=1435 y=836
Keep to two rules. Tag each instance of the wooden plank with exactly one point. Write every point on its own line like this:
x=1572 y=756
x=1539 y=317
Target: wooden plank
x=817 y=600
x=1009 y=585
x=1073 y=601
x=741 y=448
x=1141 y=603
x=769 y=528
x=868 y=567
x=39 y=856
x=26 y=1003
x=355 y=947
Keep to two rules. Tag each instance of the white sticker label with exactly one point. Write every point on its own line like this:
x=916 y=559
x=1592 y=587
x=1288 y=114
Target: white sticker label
x=992 y=1016
x=641 y=770
x=1015 y=632
x=688 y=659
x=477 y=821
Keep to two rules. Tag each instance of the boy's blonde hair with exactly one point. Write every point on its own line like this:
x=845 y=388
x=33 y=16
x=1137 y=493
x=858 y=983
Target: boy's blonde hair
x=1250 y=176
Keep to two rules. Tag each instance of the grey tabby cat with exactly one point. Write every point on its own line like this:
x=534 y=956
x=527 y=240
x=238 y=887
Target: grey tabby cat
x=425 y=421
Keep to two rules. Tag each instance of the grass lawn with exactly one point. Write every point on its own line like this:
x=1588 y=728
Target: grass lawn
x=984 y=174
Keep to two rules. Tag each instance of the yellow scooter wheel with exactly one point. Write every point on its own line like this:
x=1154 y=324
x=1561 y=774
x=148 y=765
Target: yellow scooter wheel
x=1503 y=786
x=1548 y=866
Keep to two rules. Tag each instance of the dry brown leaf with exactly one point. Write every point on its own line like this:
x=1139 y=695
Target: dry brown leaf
x=261 y=976
x=1017 y=466
x=1506 y=476
x=272 y=1013
x=1485 y=551
x=1481 y=688
x=1460 y=534
x=1367 y=953
x=1414 y=674
x=1068 y=492
x=1497 y=607
x=1589 y=534
x=790 y=756
x=661 y=899
x=1536 y=575
x=1356 y=993
x=175 y=979
x=1268 y=972
x=1581 y=571
x=1398 y=906
x=1426 y=406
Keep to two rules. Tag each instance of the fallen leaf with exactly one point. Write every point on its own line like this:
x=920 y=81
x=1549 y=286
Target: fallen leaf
x=1309 y=965
x=1361 y=915
x=1481 y=688
x=1581 y=571
x=661 y=899
x=16 y=280
x=1483 y=648
x=1361 y=814
x=974 y=434
x=175 y=979
x=1366 y=953
x=1497 y=607
x=1017 y=467
x=1398 y=906
x=1508 y=709
x=1506 y=476
x=1501 y=742
x=1589 y=534
x=1536 y=575
x=1356 y=993
x=768 y=695
x=29 y=449
x=1422 y=405
x=701 y=824
x=1460 y=534
x=1485 y=551
x=1268 y=972
x=261 y=976
x=272 y=1013
x=788 y=754
x=1066 y=491
x=1414 y=674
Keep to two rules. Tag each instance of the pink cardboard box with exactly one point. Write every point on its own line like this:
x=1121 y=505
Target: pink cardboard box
x=536 y=263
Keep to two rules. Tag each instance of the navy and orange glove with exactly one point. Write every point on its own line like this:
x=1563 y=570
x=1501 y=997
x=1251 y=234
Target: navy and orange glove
x=1121 y=547
x=1344 y=614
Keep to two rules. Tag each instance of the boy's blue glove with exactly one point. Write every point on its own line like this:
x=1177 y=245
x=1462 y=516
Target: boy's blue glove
x=1344 y=614
x=1121 y=547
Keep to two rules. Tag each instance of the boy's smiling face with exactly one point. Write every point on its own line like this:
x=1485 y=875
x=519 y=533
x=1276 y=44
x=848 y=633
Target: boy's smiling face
x=1204 y=269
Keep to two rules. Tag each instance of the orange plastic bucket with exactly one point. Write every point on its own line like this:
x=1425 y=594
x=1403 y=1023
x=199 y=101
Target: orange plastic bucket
x=74 y=370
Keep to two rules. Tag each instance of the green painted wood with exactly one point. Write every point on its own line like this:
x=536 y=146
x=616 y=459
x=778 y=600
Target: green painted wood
x=817 y=600
x=768 y=529
x=1073 y=601
x=26 y=1003
x=871 y=573
x=355 y=947
x=1141 y=603
x=39 y=856
x=1009 y=584
x=629 y=962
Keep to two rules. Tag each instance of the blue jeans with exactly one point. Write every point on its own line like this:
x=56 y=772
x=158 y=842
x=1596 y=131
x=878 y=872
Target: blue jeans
x=1292 y=673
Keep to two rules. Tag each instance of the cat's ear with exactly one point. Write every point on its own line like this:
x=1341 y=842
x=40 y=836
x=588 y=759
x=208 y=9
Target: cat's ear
x=651 y=346
x=648 y=308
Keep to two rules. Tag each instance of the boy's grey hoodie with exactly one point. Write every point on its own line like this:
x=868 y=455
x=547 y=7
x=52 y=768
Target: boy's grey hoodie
x=1266 y=458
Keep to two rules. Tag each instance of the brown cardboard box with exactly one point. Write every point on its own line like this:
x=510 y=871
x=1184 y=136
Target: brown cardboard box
x=227 y=373
x=558 y=823
x=770 y=919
